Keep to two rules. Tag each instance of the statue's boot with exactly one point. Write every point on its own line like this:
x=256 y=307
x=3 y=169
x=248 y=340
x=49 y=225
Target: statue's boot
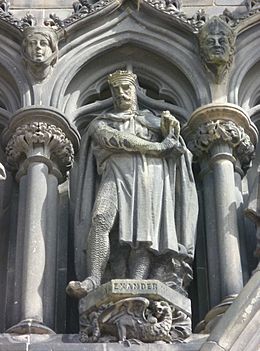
x=80 y=289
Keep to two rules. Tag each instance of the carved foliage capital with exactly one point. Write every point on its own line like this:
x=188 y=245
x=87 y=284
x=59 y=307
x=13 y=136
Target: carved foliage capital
x=227 y=132
x=57 y=147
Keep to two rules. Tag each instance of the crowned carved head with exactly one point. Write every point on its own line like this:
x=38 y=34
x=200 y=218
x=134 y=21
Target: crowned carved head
x=40 y=50
x=123 y=88
x=217 y=42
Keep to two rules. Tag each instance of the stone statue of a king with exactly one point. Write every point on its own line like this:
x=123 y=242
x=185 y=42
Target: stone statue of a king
x=135 y=176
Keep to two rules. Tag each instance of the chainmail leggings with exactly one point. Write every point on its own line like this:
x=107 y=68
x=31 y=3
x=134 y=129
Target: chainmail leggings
x=98 y=244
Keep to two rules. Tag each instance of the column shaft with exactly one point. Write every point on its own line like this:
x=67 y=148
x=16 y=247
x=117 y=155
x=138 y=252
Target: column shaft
x=241 y=225
x=51 y=252
x=211 y=239
x=18 y=274
x=34 y=242
x=226 y=212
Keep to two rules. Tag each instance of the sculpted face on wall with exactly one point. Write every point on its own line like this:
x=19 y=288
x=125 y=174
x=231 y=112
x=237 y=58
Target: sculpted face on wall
x=38 y=47
x=40 y=51
x=217 y=41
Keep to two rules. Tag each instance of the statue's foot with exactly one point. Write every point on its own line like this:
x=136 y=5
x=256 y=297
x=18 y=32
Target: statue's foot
x=80 y=289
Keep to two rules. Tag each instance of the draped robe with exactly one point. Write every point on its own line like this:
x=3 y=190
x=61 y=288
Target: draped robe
x=157 y=199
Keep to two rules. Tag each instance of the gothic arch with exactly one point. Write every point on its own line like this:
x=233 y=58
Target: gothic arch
x=244 y=86
x=14 y=88
x=164 y=82
x=175 y=49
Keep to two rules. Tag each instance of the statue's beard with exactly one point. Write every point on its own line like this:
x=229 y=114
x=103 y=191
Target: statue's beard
x=217 y=57
x=126 y=102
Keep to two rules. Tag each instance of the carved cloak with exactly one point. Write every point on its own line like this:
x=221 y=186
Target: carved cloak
x=157 y=198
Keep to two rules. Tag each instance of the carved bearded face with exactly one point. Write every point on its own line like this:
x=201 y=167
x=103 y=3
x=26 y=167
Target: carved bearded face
x=124 y=95
x=38 y=47
x=217 y=43
x=216 y=48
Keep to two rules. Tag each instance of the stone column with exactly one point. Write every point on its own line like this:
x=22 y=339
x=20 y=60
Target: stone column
x=41 y=145
x=207 y=177
x=223 y=134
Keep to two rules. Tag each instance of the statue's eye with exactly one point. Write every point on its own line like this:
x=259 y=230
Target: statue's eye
x=43 y=43
x=211 y=41
x=222 y=41
x=125 y=86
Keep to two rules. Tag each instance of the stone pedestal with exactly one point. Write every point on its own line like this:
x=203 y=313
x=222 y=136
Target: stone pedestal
x=134 y=311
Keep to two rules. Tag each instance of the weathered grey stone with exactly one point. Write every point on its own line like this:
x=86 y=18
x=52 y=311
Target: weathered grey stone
x=122 y=288
x=193 y=3
x=71 y=342
x=237 y=327
x=27 y=4
x=146 y=240
x=229 y=3
x=40 y=51
x=34 y=147
x=217 y=42
x=221 y=159
x=159 y=43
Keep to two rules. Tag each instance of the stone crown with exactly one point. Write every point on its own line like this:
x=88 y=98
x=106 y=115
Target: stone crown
x=216 y=25
x=42 y=30
x=122 y=76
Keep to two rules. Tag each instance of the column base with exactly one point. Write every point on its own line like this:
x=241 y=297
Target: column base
x=30 y=326
x=214 y=315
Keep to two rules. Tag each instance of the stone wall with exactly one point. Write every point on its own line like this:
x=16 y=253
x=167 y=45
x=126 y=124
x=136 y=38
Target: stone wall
x=45 y=107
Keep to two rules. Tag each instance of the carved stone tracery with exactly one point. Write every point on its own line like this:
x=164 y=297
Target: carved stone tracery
x=173 y=8
x=170 y=6
x=7 y=16
x=82 y=9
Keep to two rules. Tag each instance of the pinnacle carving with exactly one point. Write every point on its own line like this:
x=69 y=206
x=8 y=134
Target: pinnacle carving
x=173 y=8
x=7 y=16
x=81 y=9
x=27 y=136
x=170 y=6
x=85 y=8
x=227 y=132
x=234 y=19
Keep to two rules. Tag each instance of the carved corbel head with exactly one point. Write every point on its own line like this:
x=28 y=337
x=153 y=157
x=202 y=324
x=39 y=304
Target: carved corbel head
x=40 y=51
x=217 y=46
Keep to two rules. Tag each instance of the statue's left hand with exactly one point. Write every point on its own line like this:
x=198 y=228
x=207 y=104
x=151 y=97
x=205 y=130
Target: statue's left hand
x=169 y=125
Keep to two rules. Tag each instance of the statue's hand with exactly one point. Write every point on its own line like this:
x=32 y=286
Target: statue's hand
x=170 y=126
x=172 y=148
